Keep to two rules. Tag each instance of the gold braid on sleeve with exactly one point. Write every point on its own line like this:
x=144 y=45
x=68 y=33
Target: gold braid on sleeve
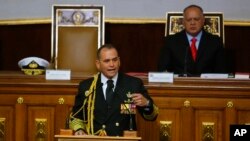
x=153 y=114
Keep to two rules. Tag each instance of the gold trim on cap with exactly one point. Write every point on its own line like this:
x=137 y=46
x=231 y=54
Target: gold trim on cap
x=33 y=71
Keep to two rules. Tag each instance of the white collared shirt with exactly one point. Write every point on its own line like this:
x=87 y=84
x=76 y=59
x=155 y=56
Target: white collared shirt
x=104 y=82
x=198 y=37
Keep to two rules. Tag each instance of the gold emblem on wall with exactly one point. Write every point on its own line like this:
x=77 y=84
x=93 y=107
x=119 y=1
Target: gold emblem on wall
x=2 y=129
x=207 y=131
x=41 y=126
x=165 y=130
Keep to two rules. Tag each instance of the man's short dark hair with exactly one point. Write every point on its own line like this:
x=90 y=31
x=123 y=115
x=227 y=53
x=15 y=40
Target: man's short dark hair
x=192 y=6
x=107 y=46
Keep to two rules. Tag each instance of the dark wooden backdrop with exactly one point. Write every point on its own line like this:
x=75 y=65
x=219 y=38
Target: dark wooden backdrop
x=138 y=44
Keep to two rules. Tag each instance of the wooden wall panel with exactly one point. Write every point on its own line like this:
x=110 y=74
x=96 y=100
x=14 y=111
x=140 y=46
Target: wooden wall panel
x=238 y=47
x=187 y=103
x=139 y=45
x=62 y=111
x=209 y=125
x=41 y=123
x=20 y=41
x=21 y=121
x=244 y=117
x=187 y=125
x=171 y=117
x=7 y=123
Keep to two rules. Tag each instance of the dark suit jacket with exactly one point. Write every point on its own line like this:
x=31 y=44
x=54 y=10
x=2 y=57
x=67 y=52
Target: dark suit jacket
x=109 y=115
x=176 y=55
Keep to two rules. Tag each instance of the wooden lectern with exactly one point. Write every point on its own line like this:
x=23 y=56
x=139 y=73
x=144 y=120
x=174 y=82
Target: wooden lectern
x=94 y=138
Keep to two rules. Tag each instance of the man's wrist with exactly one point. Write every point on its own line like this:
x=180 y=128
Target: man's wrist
x=148 y=103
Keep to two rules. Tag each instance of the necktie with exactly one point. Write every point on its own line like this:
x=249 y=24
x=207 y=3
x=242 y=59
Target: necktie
x=193 y=48
x=109 y=91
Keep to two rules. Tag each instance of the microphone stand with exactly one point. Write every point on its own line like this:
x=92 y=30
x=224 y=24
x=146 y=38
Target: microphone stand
x=67 y=130
x=130 y=123
x=185 y=74
x=131 y=132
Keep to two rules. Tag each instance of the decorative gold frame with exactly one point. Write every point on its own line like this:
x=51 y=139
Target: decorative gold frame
x=77 y=18
x=213 y=23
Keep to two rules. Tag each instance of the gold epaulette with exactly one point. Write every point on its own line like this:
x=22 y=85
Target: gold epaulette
x=153 y=114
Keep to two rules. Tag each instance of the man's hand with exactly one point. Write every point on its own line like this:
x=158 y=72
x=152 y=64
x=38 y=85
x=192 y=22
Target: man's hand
x=80 y=132
x=139 y=99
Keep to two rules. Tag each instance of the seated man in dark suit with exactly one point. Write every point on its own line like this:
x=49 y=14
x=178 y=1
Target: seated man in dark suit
x=106 y=103
x=193 y=51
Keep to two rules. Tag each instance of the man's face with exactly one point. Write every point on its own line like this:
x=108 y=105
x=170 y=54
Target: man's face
x=193 y=21
x=108 y=63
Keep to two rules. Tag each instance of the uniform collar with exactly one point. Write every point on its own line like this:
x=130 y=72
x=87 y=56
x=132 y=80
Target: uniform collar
x=104 y=79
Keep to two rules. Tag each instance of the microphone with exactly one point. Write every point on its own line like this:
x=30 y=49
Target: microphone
x=67 y=122
x=67 y=130
x=130 y=117
x=185 y=74
x=120 y=94
x=131 y=132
